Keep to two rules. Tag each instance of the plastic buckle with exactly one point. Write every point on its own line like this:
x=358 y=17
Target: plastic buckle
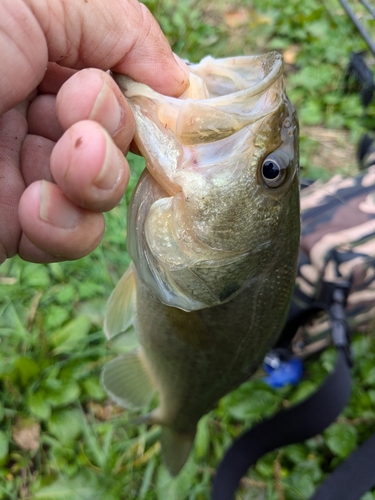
x=337 y=316
x=282 y=369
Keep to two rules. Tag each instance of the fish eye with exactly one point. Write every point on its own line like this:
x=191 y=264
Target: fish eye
x=274 y=169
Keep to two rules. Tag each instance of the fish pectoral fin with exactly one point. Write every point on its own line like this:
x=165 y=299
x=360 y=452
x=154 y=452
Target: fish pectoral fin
x=127 y=380
x=120 y=310
x=175 y=449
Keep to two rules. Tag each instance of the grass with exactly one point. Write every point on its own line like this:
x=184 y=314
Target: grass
x=60 y=437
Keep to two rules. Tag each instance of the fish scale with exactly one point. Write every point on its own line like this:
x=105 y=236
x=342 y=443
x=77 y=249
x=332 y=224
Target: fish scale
x=213 y=234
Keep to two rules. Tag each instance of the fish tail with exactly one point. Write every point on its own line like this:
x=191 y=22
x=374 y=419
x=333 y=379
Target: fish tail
x=175 y=448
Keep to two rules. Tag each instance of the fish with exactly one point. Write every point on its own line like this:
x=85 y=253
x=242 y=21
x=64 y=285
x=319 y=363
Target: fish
x=213 y=233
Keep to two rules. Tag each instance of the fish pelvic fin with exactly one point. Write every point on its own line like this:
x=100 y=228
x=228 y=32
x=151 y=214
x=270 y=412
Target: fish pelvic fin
x=175 y=449
x=120 y=310
x=127 y=380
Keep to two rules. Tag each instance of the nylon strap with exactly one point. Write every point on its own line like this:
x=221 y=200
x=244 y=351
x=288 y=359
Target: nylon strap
x=353 y=477
x=298 y=423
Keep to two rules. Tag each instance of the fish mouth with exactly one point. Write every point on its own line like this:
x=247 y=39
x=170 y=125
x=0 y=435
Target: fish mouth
x=238 y=92
x=238 y=77
x=225 y=95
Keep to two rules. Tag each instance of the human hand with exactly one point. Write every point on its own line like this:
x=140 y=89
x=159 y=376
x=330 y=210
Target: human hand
x=63 y=132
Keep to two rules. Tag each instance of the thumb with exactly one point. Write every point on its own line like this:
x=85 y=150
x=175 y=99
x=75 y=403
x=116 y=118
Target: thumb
x=115 y=34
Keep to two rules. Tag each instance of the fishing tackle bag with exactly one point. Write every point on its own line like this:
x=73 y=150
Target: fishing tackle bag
x=334 y=296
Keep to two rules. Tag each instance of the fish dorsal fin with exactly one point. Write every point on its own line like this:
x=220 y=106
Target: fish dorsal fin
x=175 y=448
x=127 y=380
x=121 y=306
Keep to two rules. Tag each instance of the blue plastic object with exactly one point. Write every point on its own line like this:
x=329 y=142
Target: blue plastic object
x=281 y=373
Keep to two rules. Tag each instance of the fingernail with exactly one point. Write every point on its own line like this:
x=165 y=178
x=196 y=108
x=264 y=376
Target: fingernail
x=112 y=168
x=107 y=110
x=55 y=208
x=182 y=65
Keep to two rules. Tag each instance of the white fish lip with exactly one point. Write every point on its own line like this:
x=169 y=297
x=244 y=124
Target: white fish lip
x=271 y=63
x=210 y=68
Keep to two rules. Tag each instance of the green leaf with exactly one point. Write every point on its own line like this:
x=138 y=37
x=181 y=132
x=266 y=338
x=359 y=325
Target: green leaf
x=202 y=439
x=36 y=276
x=371 y=394
x=311 y=113
x=303 y=483
x=265 y=466
x=38 y=404
x=147 y=479
x=168 y=488
x=335 y=121
x=303 y=390
x=89 y=289
x=55 y=316
x=93 y=388
x=318 y=28
x=4 y=446
x=360 y=346
x=56 y=269
x=368 y=496
x=341 y=439
x=85 y=486
x=279 y=43
x=297 y=453
x=62 y=393
x=257 y=405
x=73 y=336
x=370 y=376
x=66 y=425
x=66 y=294
x=27 y=369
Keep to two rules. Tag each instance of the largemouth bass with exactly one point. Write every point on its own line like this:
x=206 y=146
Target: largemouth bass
x=213 y=232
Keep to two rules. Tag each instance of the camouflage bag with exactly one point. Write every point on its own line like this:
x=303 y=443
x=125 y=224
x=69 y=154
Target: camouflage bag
x=334 y=295
x=337 y=248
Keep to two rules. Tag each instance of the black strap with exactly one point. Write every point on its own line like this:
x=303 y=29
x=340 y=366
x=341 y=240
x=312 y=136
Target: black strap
x=356 y=474
x=296 y=424
x=353 y=477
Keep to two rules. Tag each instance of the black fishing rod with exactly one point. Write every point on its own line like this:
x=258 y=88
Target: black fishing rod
x=369 y=7
x=367 y=38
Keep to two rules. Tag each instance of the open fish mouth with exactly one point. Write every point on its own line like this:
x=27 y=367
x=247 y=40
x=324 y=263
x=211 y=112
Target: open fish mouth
x=213 y=107
x=251 y=73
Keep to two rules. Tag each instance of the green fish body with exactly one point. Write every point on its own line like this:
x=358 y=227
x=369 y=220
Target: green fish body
x=213 y=232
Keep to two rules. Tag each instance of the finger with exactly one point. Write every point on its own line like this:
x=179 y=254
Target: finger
x=55 y=225
x=89 y=168
x=42 y=117
x=91 y=94
x=150 y=62
x=35 y=159
x=54 y=77
x=123 y=36
x=13 y=129
x=23 y=51
x=28 y=251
